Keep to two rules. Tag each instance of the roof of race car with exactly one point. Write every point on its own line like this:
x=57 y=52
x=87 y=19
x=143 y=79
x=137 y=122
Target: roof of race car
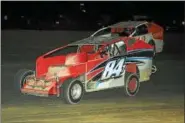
x=96 y=40
x=127 y=24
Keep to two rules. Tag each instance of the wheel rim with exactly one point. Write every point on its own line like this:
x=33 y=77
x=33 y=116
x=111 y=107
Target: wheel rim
x=132 y=85
x=154 y=68
x=76 y=91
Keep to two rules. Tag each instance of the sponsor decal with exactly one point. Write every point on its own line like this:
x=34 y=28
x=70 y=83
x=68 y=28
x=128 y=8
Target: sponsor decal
x=103 y=85
x=97 y=83
x=113 y=68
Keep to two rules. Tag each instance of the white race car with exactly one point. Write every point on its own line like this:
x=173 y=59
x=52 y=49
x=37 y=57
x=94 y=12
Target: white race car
x=150 y=32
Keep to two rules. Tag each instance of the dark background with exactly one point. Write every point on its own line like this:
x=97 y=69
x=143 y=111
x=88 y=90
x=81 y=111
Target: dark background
x=87 y=15
x=78 y=16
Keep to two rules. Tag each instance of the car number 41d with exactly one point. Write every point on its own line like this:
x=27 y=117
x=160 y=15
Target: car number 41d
x=113 y=69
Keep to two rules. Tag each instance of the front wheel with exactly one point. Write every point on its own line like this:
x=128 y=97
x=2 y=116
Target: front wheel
x=20 y=77
x=132 y=84
x=73 y=92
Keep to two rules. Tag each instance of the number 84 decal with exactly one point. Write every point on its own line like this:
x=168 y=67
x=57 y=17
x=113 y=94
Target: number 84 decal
x=113 y=69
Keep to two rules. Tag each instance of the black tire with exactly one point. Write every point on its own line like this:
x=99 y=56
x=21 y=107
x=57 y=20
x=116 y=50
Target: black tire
x=128 y=78
x=151 y=42
x=67 y=94
x=20 y=76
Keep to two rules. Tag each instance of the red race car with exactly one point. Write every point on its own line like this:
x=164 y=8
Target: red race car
x=88 y=65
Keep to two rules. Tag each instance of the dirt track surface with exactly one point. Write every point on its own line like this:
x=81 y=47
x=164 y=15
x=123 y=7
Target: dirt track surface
x=160 y=100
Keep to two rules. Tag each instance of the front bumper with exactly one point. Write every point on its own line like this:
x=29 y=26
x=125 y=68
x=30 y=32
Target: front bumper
x=35 y=92
x=40 y=87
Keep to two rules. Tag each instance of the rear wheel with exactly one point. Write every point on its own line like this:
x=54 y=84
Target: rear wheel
x=73 y=92
x=132 y=84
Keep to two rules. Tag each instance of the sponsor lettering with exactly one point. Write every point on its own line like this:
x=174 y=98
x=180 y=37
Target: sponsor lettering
x=113 y=69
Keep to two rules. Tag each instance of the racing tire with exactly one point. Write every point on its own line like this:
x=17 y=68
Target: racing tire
x=20 y=77
x=151 y=42
x=73 y=92
x=132 y=84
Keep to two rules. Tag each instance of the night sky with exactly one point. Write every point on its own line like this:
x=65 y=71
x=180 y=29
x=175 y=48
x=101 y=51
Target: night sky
x=163 y=12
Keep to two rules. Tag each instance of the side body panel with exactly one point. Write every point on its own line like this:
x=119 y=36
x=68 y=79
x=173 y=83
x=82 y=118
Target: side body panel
x=144 y=65
x=42 y=64
x=94 y=76
x=141 y=53
x=155 y=33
